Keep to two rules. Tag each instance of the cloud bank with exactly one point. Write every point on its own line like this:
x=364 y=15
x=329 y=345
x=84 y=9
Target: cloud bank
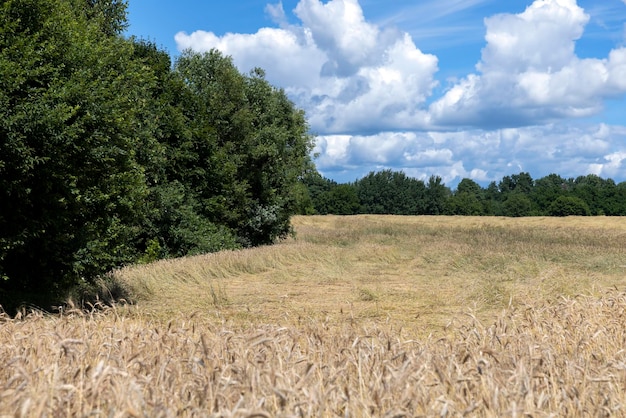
x=374 y=99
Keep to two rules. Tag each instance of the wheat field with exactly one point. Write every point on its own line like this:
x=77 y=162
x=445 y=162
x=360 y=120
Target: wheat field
x=365 y=316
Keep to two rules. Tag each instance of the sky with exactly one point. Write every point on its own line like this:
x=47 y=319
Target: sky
x=475 y=89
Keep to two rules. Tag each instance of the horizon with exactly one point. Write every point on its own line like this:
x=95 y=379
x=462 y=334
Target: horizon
x=475 y=89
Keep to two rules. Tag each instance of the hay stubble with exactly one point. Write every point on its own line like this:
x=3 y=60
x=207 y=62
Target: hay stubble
x=362 y=316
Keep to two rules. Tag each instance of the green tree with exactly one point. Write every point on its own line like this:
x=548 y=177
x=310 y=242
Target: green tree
x=318 y=188
x=515 y=192
x=599 y=194
x=437 y=195
x=547 y=190
x=108 y=155
x=247 y=150
x=344 y=200
x=466 y=200
x=176 y=224
x=72 y=190
x=520 y=183
x=493 y=200
x=389 y=192
x=175 y=227
x=620 y=199
x=304 y=202
x=469 y=186
x=516 y=205
x=109 y=15
x=568 y=206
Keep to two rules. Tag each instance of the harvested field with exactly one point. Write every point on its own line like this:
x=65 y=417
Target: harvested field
x=357 y=316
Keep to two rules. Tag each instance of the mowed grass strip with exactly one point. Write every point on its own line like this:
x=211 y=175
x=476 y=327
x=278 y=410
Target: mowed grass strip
x=366 y=316
x=417 y=270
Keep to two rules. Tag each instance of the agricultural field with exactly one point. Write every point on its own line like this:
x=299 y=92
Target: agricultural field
x=360 y=316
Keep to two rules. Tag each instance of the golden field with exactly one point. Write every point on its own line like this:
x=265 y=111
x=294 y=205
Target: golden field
x=360 y=316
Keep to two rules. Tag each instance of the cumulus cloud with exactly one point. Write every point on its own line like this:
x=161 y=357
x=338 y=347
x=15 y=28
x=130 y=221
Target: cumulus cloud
x=290 y=57
x=368 y=92
x=530 y=73
x=339 y=29
x=348 y=74
x=612 y=165
x=482 y=155
x=352 y=76
x=277 y=14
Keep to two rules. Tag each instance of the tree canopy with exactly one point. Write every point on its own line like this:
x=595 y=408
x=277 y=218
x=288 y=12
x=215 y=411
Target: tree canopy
x=389 y=192
x=111 y=154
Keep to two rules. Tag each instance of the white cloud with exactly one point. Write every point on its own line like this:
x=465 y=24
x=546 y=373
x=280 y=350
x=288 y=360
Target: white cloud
x=277 y=14
x=352 y=76
x=613 y=165
x=332 y=151
x=349 y=75
x=539 y=39
x=355 y=79
x=289 y=57
x=339 y=28
x=388 y=95
x=530 y=74
x=481 y=155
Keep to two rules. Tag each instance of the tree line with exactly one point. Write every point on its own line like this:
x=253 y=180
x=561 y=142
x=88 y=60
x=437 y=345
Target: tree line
x=393 y=192
x=112 y=154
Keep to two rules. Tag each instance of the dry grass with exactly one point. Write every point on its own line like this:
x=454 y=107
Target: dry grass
x=360 y=316
x=417 y=269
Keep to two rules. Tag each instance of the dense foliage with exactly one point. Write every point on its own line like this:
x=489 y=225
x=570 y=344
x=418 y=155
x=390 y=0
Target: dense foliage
x=388 y=192
x=111 y=155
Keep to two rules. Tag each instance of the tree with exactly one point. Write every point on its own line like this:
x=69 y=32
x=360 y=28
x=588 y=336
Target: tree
x=344 y=200
x=469 y=186
x=318 y=188
x=620 y=198
x=110 y=156
x=521 y=183
x=389 y=192
x=516 y=205
x=247 y=149
x=568 y=206
x=493 y=200
x=466 y=200
x=304 y=203
x=176 y=228
x=110 y=15
x=515 y=191
x=437 y=195
x=599 y=194
x=72 y=190
x=547 y=190
x=463 y=204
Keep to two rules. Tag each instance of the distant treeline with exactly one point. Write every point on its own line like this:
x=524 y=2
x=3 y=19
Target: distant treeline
x=392 y=192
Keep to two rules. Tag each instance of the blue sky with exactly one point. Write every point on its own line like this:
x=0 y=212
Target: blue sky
x=455 y=88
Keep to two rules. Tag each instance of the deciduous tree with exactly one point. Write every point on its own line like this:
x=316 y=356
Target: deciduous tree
x=71 y=105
